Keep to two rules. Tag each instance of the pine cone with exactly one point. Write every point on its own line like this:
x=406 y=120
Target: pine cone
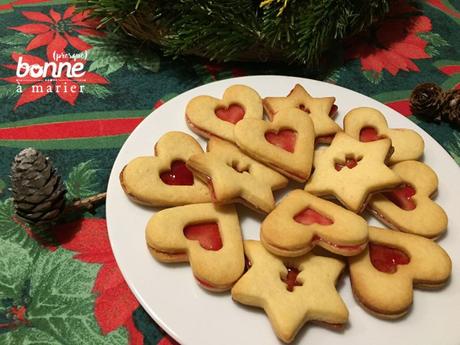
x=39 y=196
x=426 y=101
x=451 y=108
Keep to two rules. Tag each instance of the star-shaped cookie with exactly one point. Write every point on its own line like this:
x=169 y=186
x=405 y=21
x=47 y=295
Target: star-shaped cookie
x=234 y=177
x=291 y=291
x=319 y=109
x=351 y=170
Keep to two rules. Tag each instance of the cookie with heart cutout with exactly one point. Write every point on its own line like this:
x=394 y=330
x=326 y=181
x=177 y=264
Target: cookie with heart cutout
x=301 y=221
x=410 y=208
x=286 y=144
x=384 y=275
x=206 y=235
x=164 y=179
x=369 y=124
x=321 y=111
x=232 y=176
x=351 y=171
x=292 y=291
x=213 y=117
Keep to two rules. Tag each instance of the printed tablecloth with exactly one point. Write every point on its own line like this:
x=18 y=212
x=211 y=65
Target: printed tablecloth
x=63 y=286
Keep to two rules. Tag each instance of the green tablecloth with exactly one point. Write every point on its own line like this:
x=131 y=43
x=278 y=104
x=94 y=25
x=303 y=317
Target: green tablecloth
x=65 y=287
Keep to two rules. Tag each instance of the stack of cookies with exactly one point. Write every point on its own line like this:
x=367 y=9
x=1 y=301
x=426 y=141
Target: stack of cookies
x=311 y=235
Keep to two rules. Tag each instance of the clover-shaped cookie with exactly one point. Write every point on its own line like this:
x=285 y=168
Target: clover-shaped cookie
x=383 y=276
x=368 y=124
x=286 y=144
x=234 y=177
x=213 y=117
x=320 y=110
x=351 y=170
x=164 y=179
x=291 y=291
x=206 y=235
x=409 y=208
x=301 y=221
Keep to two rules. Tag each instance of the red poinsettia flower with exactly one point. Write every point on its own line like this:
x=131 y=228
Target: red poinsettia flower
x=57 y=30
x=393 y=43
x=67 y=88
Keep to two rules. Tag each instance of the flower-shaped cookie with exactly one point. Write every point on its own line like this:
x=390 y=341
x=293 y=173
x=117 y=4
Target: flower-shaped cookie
x=301 y=220
x=292 y=292
x=320 y=110
x=164 y=179
x=207 y=235
x=213 y=117
x=286 y=144
x=234 y=177
x=368 y=124
x=409 y=208
x=351 y=170
x=383 y=276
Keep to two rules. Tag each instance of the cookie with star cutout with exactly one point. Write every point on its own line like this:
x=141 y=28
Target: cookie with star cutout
x=206 y=235
x=212 y=117
x=368 y=124
x=409 y=208
x=285 y=144
x=233 y=176
x=384 y=275
x=291 y=291
x=320 y=110
x=163 y=179
x=351 y=171
x=301 y=221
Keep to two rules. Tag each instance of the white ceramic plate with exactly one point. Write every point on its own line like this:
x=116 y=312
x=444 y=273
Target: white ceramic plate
x=193 y=316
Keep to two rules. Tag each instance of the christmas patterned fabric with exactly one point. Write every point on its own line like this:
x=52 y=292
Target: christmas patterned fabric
x=82 y=122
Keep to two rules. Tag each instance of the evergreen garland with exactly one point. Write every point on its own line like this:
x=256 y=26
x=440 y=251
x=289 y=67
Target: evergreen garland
x=276 y=30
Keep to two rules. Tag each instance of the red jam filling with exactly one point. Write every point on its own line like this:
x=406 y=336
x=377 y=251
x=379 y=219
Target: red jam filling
x=309 y=216
x=402 y=197
x=350 y=163
x=386 y=259
x=348 y=247
x=369 y=134
x=291 y=278
x=247 y=263
x=179 y=175
x=324 y=139
x=202 y=282
x=284 y=139
x=232 y=114
x=206 y=233
x=333 y=110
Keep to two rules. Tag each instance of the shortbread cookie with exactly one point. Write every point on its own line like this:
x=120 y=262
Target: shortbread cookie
x=302 y=220
x=286 y=144
x=164 y=179
x=368 y=124
x=213 y=117
x=351 y=170
x=292 y=292
x=207 y=235
x=320 y=110
x=409 y=208
x=383 y=276
x=234 y=177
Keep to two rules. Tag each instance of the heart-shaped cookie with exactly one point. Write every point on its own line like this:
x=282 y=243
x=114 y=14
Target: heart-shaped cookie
x=368 y=124
x=286 y=144
x=301 y=221
x=206 y=235
x=320 y=110
x=409 y=208
x=383 y=276
x=164 y=179
x=209 y=116
x=234 y=177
